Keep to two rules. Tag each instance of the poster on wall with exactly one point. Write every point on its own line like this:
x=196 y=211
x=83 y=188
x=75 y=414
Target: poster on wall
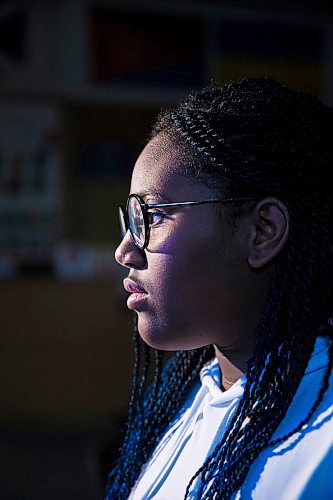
x=146 y=49
x=30 y=183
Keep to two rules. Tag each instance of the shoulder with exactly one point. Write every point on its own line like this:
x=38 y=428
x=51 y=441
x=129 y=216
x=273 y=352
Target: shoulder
x=315 y=387
x=304 y=462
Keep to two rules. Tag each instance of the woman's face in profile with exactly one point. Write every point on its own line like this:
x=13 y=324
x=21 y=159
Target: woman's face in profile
x=194 y=270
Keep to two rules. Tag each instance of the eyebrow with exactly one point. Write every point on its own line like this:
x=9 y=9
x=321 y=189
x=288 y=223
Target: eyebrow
x=153 y=192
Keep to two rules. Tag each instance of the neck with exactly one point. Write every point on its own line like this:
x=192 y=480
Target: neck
x=232 y=360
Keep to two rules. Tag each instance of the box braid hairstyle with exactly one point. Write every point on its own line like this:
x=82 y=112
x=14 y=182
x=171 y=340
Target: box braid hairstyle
x=259 y=138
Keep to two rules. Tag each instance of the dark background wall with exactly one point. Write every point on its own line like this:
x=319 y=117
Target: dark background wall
x=80 y=85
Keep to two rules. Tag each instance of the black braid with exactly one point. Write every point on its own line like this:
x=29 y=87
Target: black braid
x=323 y=389
x=257 y=138
x=179 y=375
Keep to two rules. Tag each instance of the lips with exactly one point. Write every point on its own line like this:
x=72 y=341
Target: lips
x=132 y=286
x=138 y=298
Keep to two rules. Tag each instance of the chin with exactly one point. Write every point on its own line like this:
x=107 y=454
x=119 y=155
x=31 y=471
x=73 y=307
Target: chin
x=156 y=334
x=161 y=336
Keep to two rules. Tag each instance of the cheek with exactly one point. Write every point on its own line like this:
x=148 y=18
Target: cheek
x=191 y=295
x=185 y=273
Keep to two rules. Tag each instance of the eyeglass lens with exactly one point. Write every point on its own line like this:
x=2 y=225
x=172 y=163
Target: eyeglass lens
x=136 y=221
x=122 y=222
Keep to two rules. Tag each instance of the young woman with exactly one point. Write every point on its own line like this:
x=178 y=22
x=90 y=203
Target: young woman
x=228 y=244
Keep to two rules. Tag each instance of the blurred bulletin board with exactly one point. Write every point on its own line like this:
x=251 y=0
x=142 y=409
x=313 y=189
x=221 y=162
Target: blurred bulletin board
x=30 y=181
x=102 y=144
x=147 y=48
x=288 y=52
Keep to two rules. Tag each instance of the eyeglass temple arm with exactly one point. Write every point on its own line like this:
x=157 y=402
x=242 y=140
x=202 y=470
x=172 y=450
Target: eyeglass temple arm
x=146 y=206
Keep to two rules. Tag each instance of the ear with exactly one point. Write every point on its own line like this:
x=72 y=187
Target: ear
x=269 y=232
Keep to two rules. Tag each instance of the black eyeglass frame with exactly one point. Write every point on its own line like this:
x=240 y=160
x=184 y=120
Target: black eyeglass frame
x=124 y=219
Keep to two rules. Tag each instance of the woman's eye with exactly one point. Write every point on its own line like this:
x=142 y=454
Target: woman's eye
x=155 y=217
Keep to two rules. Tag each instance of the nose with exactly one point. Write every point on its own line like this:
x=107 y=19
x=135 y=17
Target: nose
x=127 y=254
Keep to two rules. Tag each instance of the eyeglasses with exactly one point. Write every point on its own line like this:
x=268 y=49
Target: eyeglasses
x=137 y=218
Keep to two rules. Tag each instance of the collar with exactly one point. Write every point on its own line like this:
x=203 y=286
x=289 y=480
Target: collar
x=211 y=378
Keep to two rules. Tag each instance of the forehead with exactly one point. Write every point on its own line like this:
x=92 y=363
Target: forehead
x=163 y=170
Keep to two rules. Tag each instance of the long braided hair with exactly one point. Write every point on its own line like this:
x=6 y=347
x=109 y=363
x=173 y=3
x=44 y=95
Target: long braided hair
x=258 y=138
